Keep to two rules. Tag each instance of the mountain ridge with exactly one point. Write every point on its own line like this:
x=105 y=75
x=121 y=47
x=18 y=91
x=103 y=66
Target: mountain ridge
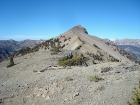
x=82 y=33
x=78 y=40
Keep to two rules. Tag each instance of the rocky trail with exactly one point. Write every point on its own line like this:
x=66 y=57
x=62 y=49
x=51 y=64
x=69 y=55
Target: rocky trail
x=23 y=85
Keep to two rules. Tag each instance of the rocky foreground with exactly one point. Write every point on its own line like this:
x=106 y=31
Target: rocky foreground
x=24 y=84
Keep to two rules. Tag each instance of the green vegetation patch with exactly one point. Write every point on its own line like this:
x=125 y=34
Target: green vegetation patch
x=136 y=95
x=11 y=63
x=74 y=61
x=94 y=77
x=55 y=49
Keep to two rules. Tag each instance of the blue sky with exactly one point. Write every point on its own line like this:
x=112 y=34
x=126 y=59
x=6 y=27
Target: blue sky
x=44 y=19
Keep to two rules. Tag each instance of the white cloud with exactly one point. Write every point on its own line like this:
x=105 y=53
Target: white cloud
x=113 y=39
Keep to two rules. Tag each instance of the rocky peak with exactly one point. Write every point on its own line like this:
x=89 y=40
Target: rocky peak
x=78 y=29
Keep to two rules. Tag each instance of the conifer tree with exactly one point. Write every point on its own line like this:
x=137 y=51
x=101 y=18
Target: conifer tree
x=11 y=63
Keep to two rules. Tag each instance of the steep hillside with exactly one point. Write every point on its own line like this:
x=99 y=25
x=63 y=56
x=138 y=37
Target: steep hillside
x=4 y=54
x=132 y=50
x=11 y=45
x=132 y=46
x=8 y=47
x=133 y=42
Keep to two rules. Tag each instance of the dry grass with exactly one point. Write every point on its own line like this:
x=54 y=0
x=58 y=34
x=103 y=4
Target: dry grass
x=35 y=70
x=100 y=88
x=94 y=77
x=68 y=78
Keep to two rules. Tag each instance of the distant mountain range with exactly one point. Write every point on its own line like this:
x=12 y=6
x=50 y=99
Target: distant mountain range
x=8 y=47
x=132 y=46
